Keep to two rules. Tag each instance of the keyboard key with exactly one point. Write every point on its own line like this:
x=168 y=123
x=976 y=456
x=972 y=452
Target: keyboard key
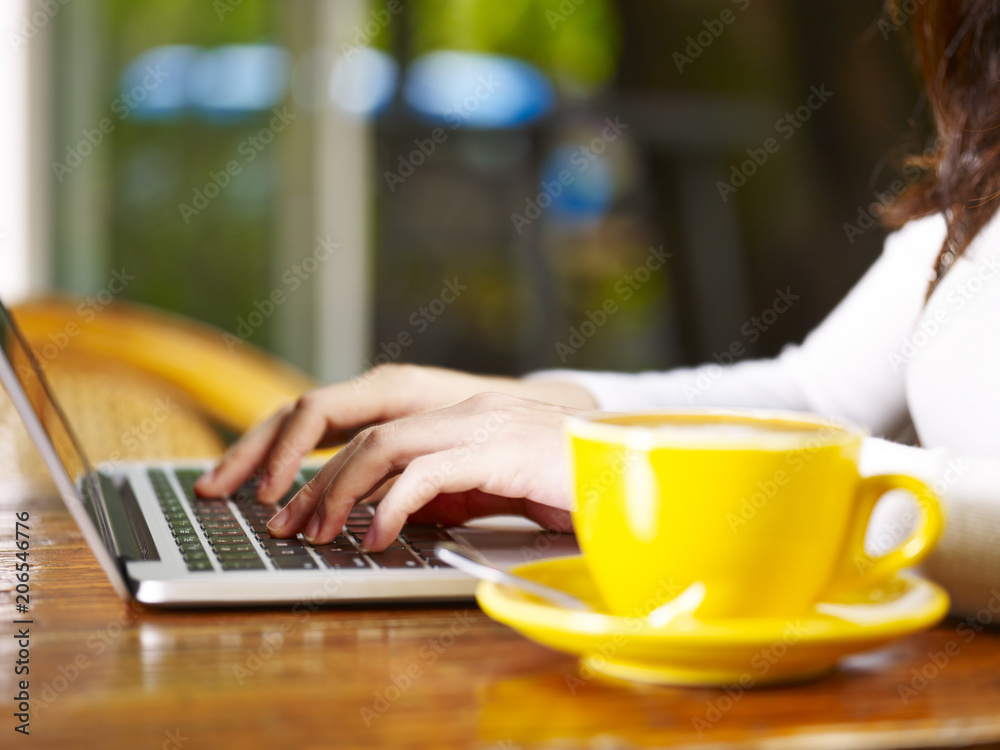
x=229 y=533
x=423 y=533
x=288 y=552
x=296 y=544
x=200 y=564
x=395 y=558
x=295 y=562
x=220 y=548
x=432 y=560
x=341 y=543
x=256 y=564
x=344 y=560
x=262 y=516
x=422 y=546
x=214 y=515
x=187 y=478
x=221 y=524
x=231 y=554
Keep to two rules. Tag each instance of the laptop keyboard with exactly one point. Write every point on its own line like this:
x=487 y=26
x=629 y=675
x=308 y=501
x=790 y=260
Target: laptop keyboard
x=233 y=549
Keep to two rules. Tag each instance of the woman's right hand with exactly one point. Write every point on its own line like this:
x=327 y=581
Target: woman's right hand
x=324 y=417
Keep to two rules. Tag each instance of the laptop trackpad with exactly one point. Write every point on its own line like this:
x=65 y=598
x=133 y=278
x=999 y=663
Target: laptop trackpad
x=509 y=547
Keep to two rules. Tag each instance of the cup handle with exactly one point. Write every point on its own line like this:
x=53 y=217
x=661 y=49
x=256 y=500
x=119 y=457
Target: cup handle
x=860 y=568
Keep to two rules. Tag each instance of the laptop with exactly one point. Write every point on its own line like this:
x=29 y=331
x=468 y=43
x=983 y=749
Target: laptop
x=161 y=545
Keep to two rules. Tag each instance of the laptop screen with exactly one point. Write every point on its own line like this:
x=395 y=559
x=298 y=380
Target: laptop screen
x=19 y=362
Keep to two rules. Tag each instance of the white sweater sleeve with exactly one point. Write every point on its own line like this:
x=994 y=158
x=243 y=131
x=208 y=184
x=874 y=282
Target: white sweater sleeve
x=843 y=369
x=967 y=559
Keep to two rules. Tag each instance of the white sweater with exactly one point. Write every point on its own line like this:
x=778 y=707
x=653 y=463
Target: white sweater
x=880 y=359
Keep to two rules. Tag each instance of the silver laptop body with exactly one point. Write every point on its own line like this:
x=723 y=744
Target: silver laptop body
x=159 y=544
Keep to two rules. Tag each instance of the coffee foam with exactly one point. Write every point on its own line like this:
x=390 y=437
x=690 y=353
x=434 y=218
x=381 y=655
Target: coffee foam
x=736 y=430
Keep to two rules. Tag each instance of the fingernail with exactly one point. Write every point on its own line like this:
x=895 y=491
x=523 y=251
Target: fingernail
x=262 y=485
x=278 y=521
x=366 y=543
x=208 y=476
x=312 y=529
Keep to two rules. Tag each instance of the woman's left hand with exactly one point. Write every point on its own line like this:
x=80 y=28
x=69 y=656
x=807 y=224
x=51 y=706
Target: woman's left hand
x=491 y=454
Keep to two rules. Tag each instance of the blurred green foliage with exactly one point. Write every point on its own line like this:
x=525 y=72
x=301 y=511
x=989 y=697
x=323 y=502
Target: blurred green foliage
x=574 y=41
x=214 y=266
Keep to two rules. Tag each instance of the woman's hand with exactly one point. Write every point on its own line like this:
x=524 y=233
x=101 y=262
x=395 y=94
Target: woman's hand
x=272 y=451
x=489 y=454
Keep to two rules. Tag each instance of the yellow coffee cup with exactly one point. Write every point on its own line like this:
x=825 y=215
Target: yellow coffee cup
x=766 y=509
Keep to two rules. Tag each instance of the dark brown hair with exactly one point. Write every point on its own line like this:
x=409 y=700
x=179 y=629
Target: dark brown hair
x=957 y=43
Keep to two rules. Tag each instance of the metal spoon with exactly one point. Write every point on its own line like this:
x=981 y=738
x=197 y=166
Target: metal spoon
x=472 y=562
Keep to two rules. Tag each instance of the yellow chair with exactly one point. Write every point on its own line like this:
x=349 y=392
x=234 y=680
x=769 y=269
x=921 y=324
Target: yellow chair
x=136 y=383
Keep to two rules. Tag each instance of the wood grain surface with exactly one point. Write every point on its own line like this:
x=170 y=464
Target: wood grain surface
x=105 y=673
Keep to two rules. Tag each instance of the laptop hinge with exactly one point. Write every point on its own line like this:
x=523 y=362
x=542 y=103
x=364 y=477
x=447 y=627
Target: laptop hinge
x=131 y=533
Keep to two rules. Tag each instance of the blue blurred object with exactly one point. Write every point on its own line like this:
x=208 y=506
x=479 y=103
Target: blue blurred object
x=238 y=80
x=590 y=188
x=154 y=85
x=363 y=81
x=221 y=84
x=477 y=90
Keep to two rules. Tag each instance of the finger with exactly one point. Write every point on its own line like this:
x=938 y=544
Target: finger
x=242 y=458
x=382 y=450
x=344 y=406
x=425 y=478
x=454 y=509
x=300 y=432
x=382 y=490
x=458 y=508
x=296 y=514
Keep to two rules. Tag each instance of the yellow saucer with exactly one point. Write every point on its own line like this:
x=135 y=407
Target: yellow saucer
x=691 y=651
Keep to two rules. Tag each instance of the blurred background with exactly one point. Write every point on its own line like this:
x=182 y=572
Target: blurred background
x=493 y=186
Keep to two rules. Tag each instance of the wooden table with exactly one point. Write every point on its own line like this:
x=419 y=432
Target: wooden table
x=109 y=674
